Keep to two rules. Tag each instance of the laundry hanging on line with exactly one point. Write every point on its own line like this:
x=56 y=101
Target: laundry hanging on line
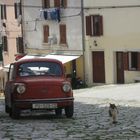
x=50 y=14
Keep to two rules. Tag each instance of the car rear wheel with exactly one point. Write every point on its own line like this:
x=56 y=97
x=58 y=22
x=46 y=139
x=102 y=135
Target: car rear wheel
x=58 y=112
x=15 y=112
x=69 y=111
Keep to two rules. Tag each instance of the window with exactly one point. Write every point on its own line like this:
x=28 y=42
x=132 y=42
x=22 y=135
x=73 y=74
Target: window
x=62 y=34
x=40 y=69
x=4 y=42
x=60 y=3
x=3 y=12
x=19 y=42
x=18 y=10
x=46 y=33
x=45 y=3
x=94 y=25
x=133 y=60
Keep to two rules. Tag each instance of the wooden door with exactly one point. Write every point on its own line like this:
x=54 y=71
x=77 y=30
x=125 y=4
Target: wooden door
x=98 y=67
x=120 y=67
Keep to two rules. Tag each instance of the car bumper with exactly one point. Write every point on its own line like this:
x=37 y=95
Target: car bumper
x=59 y=102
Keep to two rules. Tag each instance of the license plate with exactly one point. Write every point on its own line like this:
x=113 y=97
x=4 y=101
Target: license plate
x=44 y=106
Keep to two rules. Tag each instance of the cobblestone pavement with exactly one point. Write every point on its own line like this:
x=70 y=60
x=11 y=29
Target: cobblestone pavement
x=90 y=122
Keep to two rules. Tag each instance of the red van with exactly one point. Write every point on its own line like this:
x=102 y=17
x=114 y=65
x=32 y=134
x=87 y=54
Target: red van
x=38 y=84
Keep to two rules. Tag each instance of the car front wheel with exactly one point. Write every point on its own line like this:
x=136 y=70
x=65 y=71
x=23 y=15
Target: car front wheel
x=69 y=111
x=14 y=112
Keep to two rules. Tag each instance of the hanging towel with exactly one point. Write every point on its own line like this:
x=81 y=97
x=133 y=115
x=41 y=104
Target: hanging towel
x=58 y=14
x=45 y=15
x=55 y=14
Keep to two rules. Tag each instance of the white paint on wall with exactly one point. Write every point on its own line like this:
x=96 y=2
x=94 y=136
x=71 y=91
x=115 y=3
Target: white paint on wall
x=121 y=32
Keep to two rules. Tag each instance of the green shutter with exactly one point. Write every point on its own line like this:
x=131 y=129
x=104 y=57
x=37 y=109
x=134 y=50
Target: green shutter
x=1 y=57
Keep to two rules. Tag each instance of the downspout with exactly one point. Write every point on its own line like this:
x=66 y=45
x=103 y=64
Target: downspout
x=22 y=26
x=83 y=37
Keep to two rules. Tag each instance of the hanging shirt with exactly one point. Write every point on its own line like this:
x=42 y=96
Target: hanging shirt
x=45 y=15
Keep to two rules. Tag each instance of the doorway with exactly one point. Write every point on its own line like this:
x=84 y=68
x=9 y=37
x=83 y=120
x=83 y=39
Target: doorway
x=98 y=67
x=120 y=67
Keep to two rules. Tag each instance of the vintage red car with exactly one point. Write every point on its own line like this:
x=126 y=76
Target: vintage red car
x=38 y=84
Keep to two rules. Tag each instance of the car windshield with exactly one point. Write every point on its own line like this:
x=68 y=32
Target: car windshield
x=40 y=68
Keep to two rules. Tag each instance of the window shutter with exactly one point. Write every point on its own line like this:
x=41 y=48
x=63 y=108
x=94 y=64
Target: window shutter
x=15 y=6
x=88 y=26
x=2 y=12
x=19 y=43
x=57 y=3
x=138 y=61
x=21 y=50
x=64 y=3
x=101 y=25
x=20 y=9
x=45 y=3
x=62 y=34
x=46 y=33
x=126 y=61
x=1 y=57
x=4 y=42
x=5 y=15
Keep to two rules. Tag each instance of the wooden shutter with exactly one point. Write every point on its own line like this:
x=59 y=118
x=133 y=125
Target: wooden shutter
x=4 y=42
x=20 y=9
x=21 y=50
x=2 y=12
x=19 y=43
x=46 y=33
x=88 y=26
x=45 y=3
x=57 y=3
x=5 y=15
x=64 y=3
x=138 y=61
x=101 y=25
x=126 y=61
x=1 y=56
x=62 y=34
x=15 y=7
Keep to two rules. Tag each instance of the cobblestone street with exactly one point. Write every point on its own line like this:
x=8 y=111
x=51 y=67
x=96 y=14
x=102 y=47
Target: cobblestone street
x=90 y=121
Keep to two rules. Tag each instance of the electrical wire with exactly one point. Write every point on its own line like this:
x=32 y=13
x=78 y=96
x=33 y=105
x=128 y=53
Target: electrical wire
x=78 y=7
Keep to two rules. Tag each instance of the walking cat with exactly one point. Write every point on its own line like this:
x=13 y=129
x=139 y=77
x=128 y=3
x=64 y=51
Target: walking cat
x=113 y=111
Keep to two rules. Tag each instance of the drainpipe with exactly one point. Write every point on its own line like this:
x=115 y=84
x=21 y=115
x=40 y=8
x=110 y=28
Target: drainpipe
x=22 y=24
x=83 y=37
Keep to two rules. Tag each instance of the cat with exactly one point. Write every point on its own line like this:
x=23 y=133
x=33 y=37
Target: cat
x=113 y=111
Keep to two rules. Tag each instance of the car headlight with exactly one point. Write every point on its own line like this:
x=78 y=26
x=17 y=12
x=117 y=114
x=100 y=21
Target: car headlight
x=21 y=88
x=66 y=87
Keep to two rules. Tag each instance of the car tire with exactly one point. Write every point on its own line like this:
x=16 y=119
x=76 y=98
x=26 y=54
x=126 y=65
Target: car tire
x=58 y=112
x=69 y=111
x=7 y=109
x=14 y=113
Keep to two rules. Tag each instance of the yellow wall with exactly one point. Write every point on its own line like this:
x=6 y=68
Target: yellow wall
x=79 y=67
x=79 y=64
x=68 y=68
